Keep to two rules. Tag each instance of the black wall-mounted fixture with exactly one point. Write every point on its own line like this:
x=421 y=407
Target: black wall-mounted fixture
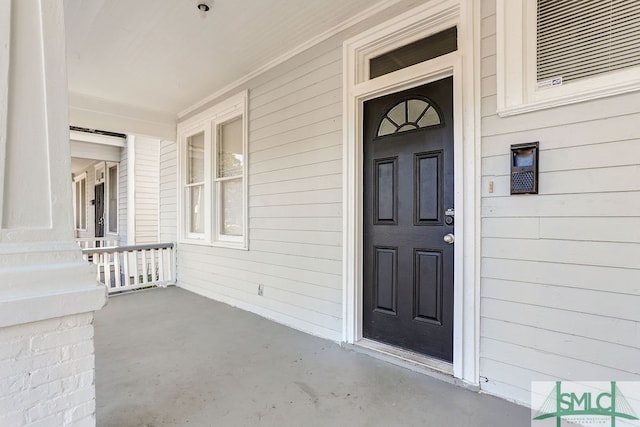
x=524 y=168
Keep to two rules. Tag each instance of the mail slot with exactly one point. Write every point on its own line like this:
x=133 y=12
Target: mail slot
x=524 y=168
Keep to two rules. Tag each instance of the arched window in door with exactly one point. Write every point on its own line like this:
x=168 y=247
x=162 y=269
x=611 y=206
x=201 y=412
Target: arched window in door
x=410 y=114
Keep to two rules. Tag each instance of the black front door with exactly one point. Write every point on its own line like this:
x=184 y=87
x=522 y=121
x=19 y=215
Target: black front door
x=99 y=210
x=408 y=215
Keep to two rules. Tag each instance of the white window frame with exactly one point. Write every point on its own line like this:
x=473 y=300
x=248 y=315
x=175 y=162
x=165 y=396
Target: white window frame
x=217 y=182
x=76 y=181
x=107 y=191
x=517 y=86
x=209 y=122
x=188 y=235
x=99 y=173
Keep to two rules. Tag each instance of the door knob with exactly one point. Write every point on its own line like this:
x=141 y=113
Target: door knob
x=449 y=238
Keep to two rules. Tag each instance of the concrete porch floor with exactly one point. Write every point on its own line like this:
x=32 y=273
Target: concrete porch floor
x=168 y=357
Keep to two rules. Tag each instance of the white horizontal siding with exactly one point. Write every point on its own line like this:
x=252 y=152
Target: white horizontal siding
x=613 y=254
x=330 y=210
x=292 y=156
x=304 y=71
x=123 y=172
x=329 y=238
x=301 y=136
x=294 y=173
x=588 y=204
x=588 y=325
x=313 y=183
x=618 y=280
x=295 y=202
x=604 y=229
x=327 y=195
x=293 y=293
x=301 y=146
x=560 y=271
x=311 y=249
x=147 y=188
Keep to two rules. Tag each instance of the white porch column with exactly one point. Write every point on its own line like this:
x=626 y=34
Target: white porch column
x=47 y=293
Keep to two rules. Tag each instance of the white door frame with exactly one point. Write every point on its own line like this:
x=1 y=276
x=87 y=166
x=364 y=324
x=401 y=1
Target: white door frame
x=429 y=18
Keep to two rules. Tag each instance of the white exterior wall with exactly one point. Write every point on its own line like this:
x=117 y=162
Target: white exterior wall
x=46 y=373
x=122 y=199
x=146 y=187
x=560 y=286
x=147 y=159
x=559 y=270
x=295 y=209
x=122 y=196
x=168 y=191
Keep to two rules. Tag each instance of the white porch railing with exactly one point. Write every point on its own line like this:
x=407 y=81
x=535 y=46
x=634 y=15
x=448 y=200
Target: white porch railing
x=97 y=242
x=124 y=268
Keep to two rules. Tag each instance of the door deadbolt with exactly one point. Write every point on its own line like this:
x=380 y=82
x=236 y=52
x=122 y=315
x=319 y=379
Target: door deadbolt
x=448 y=216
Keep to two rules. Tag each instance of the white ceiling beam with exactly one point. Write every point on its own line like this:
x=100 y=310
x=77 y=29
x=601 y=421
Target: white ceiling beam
x=95 y=138
x=94 y=113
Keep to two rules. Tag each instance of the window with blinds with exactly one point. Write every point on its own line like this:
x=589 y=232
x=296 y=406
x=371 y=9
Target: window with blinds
x=583 y=38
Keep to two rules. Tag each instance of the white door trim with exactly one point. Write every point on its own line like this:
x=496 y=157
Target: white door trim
x=429 y=18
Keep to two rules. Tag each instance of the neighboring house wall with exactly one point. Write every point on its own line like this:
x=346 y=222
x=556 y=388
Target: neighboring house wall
x=146 y=187
x=295 y=201
x=560 y=270
x=168 y=191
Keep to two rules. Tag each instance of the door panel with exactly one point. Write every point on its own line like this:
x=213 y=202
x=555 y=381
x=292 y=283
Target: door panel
x=408 y=186
x=428 y=188
x=386 y=191
x=386 y=279
x=428 y=286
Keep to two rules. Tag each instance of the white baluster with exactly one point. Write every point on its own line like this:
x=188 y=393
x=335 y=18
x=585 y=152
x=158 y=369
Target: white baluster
x=96 y=258
x=136 y=279
x=116 y=268
x=125 y=260
x=154 y=276
x=107 y=270
x=161 y=265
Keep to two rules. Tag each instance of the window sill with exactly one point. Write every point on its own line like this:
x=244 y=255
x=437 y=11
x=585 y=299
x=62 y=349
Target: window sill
x=226 y=245
x=570 y=98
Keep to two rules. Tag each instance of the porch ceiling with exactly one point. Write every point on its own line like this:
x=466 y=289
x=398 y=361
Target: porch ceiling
x=79 y=165
x=163 y=56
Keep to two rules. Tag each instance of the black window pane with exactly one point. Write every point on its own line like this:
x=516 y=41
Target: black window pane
x=414 y=53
